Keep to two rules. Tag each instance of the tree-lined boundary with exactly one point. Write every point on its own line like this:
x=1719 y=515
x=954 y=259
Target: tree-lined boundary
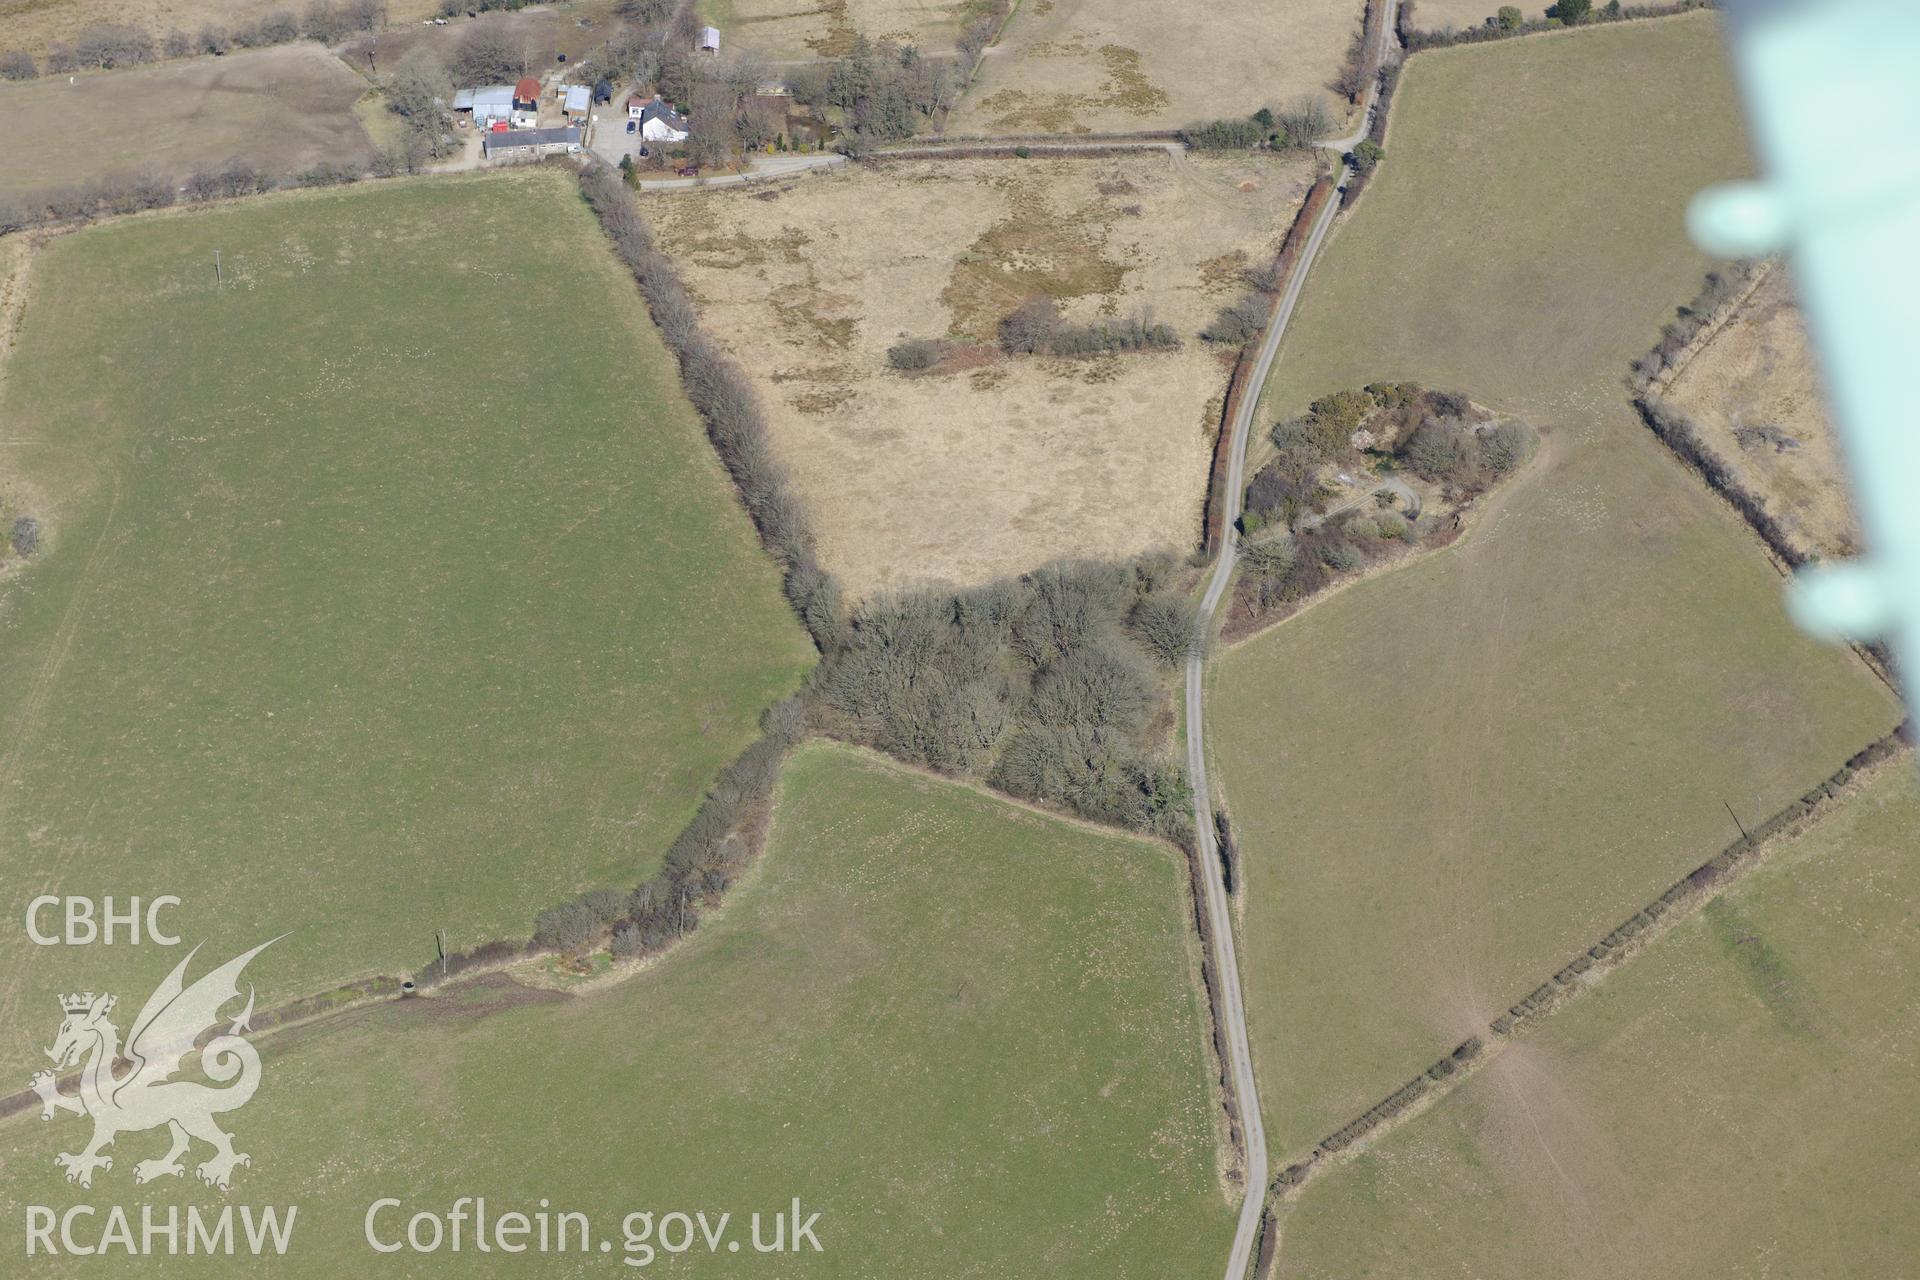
x=1722 y=294
x=1213 y=516
x=1509 y=25
x=729 y=831
x=1680 y=900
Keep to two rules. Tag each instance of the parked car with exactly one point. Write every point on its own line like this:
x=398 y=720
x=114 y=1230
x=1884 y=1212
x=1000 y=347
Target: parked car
x=633 y=126
x=689 y=171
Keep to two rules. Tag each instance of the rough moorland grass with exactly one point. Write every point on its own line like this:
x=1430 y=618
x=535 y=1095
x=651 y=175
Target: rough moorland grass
x=1071 y=66
x=1757 y=371
x=1449 y=779
x=1740 y=1100
x=391 y=587
x=778 y=30
x=987 y=467
x=968 y=1035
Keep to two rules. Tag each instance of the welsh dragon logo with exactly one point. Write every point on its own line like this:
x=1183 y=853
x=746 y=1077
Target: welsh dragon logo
x=146 y=1096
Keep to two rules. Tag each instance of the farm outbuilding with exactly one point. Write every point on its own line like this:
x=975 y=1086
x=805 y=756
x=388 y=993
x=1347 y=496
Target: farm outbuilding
x=576 y=99
x=496 y=104
x=709 y=39
x=530 y=144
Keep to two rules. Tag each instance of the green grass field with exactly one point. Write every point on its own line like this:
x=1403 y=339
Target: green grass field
x=392 y=586
x=1740 y=1100
x=969 y=1035
x=1451 y=778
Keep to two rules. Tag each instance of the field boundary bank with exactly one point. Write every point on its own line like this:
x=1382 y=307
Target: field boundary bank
x=728 y=828
x=1372 y=53
x=262 y=36
x=1437 y=542
x=1418 y=40
x=1676 y=432
x=1388 y=80
x=1412 y=40
x=1683 y=899
x=1213 y=513
x=1753 y=273
x=818 y=605
x=121 y=194
x=1654 y=374
x=1383 y=73
x=1017 y=151
x=1255 y=1229
x=939 y=141
x=1240 y=628
x=746 y=838
x=1189 y=854
x=1226 y=1097
x=286 y=1017
x=744 y=841
x=1674 y=429
x=17 y=253
x=973 y=71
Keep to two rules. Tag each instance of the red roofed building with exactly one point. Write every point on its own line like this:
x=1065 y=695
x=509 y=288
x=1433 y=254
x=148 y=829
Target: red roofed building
x=526 y=94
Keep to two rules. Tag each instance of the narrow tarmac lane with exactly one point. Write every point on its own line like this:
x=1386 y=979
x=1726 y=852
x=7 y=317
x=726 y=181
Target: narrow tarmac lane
x=1219 y=909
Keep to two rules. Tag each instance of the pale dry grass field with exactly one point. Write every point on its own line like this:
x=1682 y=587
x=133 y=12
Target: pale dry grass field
x=282 y=108
x=1001 y=464
x=782 y=30
x=1756 y=376
x=32 y=25
x=1077 y=66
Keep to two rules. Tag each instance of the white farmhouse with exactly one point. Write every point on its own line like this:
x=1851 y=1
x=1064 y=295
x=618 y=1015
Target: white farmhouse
x=658 y=121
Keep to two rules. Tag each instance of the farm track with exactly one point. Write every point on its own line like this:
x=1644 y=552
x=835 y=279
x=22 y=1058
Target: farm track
x=1219 y=908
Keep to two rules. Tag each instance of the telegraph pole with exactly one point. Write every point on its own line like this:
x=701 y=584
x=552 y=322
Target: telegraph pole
x=1737 y=822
